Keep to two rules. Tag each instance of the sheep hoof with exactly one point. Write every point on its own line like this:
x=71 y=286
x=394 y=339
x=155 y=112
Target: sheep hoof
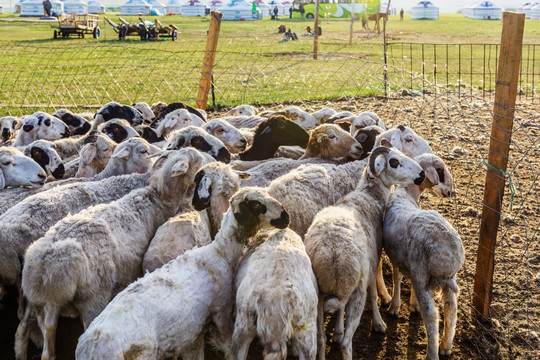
x=379 y=327
x=385 y=298
x=337 y=337
x=414 y=308
x=445 y=349
x=393 y=310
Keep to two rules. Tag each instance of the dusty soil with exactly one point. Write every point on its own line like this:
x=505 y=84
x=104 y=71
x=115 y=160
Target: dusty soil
x=458 y=130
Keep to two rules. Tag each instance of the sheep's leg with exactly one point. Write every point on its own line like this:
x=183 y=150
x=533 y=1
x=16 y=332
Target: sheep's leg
x=354 y=309
x=429 y=315
x=378 y=322
x=321 y=334
x=340 y=324
x=22 y=335
x=450 y=317
x=413 y=303
x=225 y=328
x=21 y=303
x=306 y=344
x=244 y=333
x=196 y=350
x=397 y=276
x=48 y=323
x=381 y=287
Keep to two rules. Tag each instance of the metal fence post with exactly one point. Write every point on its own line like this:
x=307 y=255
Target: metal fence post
x=501 y=133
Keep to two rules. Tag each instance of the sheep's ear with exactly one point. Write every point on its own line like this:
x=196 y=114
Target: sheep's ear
x=2 y=180
x=243 y=175
x=379 y=165
x=361 y=136
x=432 y=175
x=267 y=130
x=16 y=124
x=180 y=168
x=344 y=124
x=88 y=153
x=386 y=143
x=122 y=154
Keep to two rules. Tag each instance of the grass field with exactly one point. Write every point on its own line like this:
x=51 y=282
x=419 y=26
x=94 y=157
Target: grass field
x=253 y=64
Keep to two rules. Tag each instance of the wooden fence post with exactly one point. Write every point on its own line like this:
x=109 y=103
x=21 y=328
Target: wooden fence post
x=208 y=61
x=316 y=31
x=501 y=134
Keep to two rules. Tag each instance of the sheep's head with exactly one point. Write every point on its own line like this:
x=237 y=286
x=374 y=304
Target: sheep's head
x=114 y=110
x=157 y=108
x=254 y=209
x=438 y=177
x=148 y=134
x=279 y=130
x=180 y=105
x=366 y=137
x=228 y=134
x=295 y=114
x=178 y=119
x=133 y=156
x=365 y=119
x=393 y=167
x=8 y=126
x=323 y=115
x=330 y=141
x=246 y=110
x=118 y=130
x=18 y=170
x=146 y=111
x=44 y=153
x=95 y=155
x=76 y=123
x=405 y=140
x=45 y=126
x=197 y=138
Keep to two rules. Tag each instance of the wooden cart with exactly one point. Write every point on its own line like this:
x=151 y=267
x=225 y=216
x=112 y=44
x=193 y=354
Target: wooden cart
x=157 y=30
x=124 y=28
x=69 y=24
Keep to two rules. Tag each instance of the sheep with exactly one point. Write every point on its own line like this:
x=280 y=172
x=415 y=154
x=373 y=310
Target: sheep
x=323 y=115
x=85 y=258
x=215 y=183
x=297 y=115
x=16 y=169
x=43 y=152
x=340 y=116
x=366 y=137
x=233 y=139
x=28 y=220
x=364 y=119
x=199 y=139
x=77 y=124
x=169 y=309
x=94 y=156
x=241 y=110
x=158 y=107
x=149 y=134
x=177 y=119
x=244 y=121
x=114 y=110
x=175 y=106
x=40 y=125
x=276 y=297
x=146 y=111
x=8 y=128
x=330 y=141
x=69 y=148
x=118 y=130
x=405 y=140
x=424 y=246
x=344 y=243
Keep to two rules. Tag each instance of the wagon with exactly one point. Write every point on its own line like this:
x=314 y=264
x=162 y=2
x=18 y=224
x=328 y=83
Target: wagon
x=69 y=24
x=153 y=31
x=124 y=28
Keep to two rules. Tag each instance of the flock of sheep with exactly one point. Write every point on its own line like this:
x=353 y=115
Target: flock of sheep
x=163 y=230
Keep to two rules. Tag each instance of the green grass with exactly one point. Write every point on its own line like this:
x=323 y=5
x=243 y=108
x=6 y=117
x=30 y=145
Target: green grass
x=253 y=65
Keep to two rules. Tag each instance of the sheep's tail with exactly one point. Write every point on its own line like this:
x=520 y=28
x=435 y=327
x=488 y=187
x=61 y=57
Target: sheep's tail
x=98 y=345
x=52 y=272
x=332 y=305
x=451 y=283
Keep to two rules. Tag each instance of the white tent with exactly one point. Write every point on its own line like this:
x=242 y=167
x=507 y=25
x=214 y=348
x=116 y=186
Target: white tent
x=485 y=10
x=1 y=9
x=78 y=7
x=265 y=9
x=17 y=7
x=535 y=12
x=35 y=7
x=286 y=6
x=95 y=7
x=239 y=10
x=273 y=3
x=425 y=10
x=522 y=7
x=135 y=7
x=215 y=4
x=174 y=7
x=527 y=9
x=194 y=8
x=158 y=6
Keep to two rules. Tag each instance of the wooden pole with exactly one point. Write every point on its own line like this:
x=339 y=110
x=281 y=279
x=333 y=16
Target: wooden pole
x=208 y=61
x=316 y=31
x=501 y=133
x=352 y=21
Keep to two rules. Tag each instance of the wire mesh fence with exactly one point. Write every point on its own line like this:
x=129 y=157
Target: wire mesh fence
x=455 y=120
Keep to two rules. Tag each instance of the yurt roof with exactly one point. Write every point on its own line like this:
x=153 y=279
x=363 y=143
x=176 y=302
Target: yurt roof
x=237 y=5
x=425 y=4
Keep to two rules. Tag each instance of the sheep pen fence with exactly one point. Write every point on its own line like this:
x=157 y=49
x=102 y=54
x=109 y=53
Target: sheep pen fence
x=456 y=121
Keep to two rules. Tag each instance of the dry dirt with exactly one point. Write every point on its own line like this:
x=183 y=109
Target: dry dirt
x=459 y=131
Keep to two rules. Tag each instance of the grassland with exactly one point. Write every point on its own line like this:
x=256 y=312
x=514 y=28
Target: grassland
x=253 y=64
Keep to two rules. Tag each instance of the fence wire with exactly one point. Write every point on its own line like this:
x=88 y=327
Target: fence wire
x=455 y=120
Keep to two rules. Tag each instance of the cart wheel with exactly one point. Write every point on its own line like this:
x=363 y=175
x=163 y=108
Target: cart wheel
x=143 y=33
x=123 y=32
x=97 y=32
x=82 y=35
x=174 y=35
x=55 y=34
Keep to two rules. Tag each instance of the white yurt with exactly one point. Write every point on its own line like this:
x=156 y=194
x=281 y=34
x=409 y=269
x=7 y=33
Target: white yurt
x=425 y=10
x=535 y=12
x=78 y=7
x=95 y=7
x=240 y=10
x=195 y=8
x=174 y=7
x=522 y=7
x=273 y=3
x=528 y=9
x=286 y=6
x=17 y=7
x=1 y=9
x=485 y=10
x=35 y=7
x=158 y=6
x=215 y=4
x=265 y=9
x=135 y=7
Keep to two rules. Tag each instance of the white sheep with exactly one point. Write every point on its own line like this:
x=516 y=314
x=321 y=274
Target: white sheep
x=241 y=110
x=302 y=118
x=44 y=153
x=40 y=125
x=146 y=111
x=114 y=110
x=405 y=140
x=177 y=119
x=118 y=130
x=165 y=314
x=344 y=243
x=424 y=246
x=215 y=183
x=244 y=121
x=233 y=139
x=276 y=297
x=199 y=139
x=8 y=129
x=323 y=114
x=330 y=141
x=69 y=148
x=94 y=156
x=16 y=169
x=77 y=124
x=85 y=258
x=365 y=119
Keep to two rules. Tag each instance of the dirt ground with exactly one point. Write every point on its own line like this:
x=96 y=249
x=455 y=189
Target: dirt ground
x=458 y=130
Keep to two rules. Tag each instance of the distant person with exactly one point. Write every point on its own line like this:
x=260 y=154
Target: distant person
x=275 y=13
x=47 y=6
x=401 y=14
x=302 y=11
x=290 y=12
